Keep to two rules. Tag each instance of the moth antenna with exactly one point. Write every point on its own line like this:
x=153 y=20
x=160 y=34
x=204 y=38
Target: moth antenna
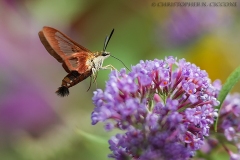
x=107 y=39
x=62 y=91
x=120 y=61
x=104 y=45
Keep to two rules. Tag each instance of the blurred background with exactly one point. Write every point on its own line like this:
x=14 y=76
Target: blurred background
x=37 y=124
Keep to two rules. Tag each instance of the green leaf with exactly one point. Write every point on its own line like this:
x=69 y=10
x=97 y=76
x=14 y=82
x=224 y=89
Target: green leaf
x=226 y=88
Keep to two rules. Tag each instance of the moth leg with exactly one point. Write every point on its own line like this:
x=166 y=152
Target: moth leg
x=90 y=84
x=108 y=67
x=95 y=77
x=96 y=83
x=94 y=74
x=94 y=71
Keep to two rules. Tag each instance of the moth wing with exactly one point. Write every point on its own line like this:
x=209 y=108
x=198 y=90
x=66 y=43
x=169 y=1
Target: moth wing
x=64 y=50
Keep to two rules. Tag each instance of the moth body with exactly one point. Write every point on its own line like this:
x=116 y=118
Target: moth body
x=78 y=61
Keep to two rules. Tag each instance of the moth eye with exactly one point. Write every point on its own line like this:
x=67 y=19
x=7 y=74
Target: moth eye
x=104 y=54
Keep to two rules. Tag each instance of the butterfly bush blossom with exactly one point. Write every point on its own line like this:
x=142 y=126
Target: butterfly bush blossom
x=164 y=108
x=230 y=123
x=228 y=129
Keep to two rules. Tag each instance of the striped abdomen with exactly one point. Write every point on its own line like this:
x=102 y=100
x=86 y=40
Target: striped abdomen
x=70 y=80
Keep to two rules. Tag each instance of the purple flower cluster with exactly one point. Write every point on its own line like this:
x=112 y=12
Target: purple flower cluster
x=165 y=108
x=230 y=122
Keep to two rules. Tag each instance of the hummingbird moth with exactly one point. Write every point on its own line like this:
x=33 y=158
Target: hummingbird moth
x=78 y=61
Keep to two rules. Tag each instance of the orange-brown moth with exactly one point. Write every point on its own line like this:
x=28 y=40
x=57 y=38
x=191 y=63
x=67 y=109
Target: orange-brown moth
x=77 y=61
